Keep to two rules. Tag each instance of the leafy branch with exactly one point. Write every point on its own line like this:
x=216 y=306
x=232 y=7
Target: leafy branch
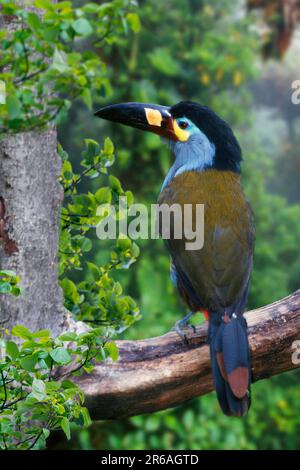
x=57 y=52
x=33 y=400
x=98 y=298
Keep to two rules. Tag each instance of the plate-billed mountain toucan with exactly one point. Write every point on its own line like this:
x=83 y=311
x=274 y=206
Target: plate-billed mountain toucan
x=214 y=279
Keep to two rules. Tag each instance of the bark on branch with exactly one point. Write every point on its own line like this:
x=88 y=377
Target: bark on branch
x=158 y=373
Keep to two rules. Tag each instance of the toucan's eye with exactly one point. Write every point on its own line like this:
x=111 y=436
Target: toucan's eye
x=183 y=124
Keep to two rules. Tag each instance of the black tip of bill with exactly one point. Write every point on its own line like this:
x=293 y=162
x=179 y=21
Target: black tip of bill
x=148 y=117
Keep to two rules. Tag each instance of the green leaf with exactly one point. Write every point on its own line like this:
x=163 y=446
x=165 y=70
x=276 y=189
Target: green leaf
x=103 y=195
x=45 y=4
x=43 y=365
x=52 y=386
x=68 y=384
x=42 y=354
x=16 y=291
x=94 y=270
x=68 y=175
x=21 y=332
x=65 y=425
x=59 y=62
x=134 y=22
x=5 y=287
x=67 y=170
x=7 y=272
x=70 y=290
x=112 y=350
x=60 y=355
x=83 y=200
x=12 y=349
x=85 y=416
x=123 y=243
x=38 y=389
x=28 y=363
x=34 y=21
x=82 y=27
x=46 y=433
x=108 y=146
x=14 y=107
x=70 y=336
x=90 y=7
x=129 y=197
x=87 y=98
x=86 y=245
x=41 y=334
x=93 y=149
x=135 y=251
x=115 y=184
x=63 y=154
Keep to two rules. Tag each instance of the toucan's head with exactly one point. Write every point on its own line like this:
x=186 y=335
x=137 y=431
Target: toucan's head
x=199 y=138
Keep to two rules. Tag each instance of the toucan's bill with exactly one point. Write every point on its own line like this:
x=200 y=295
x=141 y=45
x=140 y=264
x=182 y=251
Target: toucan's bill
x=148 y=117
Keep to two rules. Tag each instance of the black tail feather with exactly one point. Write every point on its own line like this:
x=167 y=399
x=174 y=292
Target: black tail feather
x=230 y=360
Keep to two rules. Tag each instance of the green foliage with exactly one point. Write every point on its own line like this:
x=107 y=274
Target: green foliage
x=98 y=298
x=276 y=258
x=47 y=63
x=9 y=283
x=33 y=401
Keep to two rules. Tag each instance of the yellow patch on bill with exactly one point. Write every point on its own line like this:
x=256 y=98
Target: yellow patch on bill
x=153 y=116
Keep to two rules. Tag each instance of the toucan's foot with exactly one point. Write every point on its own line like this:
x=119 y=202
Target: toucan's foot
x=182 y=325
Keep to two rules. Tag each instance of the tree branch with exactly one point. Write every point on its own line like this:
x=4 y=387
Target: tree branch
x=158 y=373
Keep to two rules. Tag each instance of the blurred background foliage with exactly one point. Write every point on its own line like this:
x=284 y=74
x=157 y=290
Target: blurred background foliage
x=209 y=52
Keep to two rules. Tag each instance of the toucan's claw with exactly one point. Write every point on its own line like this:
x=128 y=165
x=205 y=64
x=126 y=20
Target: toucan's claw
x=184 y=324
